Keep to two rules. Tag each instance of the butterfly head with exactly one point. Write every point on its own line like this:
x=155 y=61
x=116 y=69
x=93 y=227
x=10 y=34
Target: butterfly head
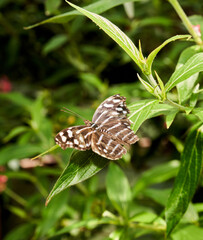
x=88 y=123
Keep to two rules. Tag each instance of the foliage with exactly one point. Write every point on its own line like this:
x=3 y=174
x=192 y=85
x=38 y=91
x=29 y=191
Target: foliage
x=94 y=198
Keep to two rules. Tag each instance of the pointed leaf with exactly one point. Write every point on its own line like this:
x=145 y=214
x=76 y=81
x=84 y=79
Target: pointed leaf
x=192 y=66
x=83 y=165
x=118 y=189
x=114 y=32
x=186 y=180
x=51 y=214
x=194 y=96
x=18 y=99
x=170 y=118
x=54 y=43
x=97 y=7
x=153 y=54
x=147 y=86
x=140 y=111
x=185 y=88
x=199 y=113
x=14 y=132
x=156 y=175
x=161 y=84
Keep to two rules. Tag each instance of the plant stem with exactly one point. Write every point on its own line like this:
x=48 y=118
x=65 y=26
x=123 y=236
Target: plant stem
x=40 y=187
x=15 y=196
x=148 y=227
x=186 y=21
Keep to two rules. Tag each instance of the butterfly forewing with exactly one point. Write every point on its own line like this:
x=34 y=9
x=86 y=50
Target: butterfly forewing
x=78 y=137
x=113 y=107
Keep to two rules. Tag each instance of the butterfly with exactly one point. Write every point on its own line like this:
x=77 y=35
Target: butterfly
x=106 y=135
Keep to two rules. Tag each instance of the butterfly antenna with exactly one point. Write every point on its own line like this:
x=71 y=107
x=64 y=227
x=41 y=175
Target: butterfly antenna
x=66 y=110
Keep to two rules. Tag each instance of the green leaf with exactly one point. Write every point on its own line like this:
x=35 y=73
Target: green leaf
x=198 y=207
x=185 y=88
x=144 y=217
x=186 y=180
x=192 y=66
x=15 y=131
x=194 y=96
x=22 y=232
x=170 y=118
x=140 y=112
x=190 y=232
x=161 y=84
x=153 y=54
x=18 y=99
x=51 y=6
x=97 y=7
x=114 y=32
x=191 y=215
x=121 y=233
x=51 y=214
x=158 y=195
x=155 y=175
x=160 y=109
x=83 y=165
x=54 y=43
x=16 y=151
x=21 y=213
x=93 y=80
x=147 y=86
x=199 y=113
x=118 y=189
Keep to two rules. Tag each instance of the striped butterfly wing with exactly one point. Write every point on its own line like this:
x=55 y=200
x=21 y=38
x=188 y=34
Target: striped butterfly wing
x=107 y=147
x=112 y=108
x=121 y=131
x=111 y=117
x=113 y=128
x=78 y=137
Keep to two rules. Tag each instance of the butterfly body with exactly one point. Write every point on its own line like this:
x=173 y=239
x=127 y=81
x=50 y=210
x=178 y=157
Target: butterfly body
x=106 y=135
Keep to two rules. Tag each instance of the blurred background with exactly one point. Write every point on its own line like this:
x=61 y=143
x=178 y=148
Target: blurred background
x=74 y=65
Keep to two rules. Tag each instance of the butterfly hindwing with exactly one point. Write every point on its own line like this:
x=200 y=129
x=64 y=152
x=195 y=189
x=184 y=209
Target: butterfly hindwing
x=121 y=131
x=105 y=146
x=78 y=137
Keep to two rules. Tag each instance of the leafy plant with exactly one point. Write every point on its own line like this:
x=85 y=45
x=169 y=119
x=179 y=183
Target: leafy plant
x=123 y=213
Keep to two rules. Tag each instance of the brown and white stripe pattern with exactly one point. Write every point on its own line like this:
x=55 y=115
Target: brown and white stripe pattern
x=107 y=134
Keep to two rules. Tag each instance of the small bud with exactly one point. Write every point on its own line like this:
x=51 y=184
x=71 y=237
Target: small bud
x=197 y=30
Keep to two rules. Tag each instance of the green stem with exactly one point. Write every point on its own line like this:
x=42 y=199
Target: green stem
x=15 y=196
x=186 y=21
x=40 y=187
x=148 y=227
x=81 y=187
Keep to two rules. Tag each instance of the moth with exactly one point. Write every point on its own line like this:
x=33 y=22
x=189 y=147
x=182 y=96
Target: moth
x=107 y=134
